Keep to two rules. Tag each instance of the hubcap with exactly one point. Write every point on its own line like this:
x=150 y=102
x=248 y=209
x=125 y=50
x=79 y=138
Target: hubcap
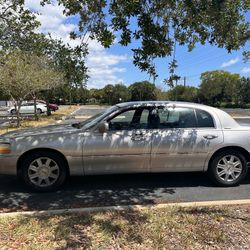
x=43 y=172
x=229 y=168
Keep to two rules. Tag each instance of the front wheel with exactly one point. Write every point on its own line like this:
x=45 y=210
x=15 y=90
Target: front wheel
x=13 y=111
x=228 y=168
x=39 y=111
x=44 y=171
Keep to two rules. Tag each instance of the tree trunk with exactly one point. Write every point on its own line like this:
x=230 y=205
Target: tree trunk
x=70 y=98
x=46 y=95
x=18 y=107
x=35 y=109
x=48 y=109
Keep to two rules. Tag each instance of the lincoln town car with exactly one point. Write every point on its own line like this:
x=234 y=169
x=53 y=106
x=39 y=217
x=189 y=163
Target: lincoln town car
x=133 y=137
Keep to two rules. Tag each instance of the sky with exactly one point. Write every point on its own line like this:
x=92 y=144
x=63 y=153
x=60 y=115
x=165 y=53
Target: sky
x=115 y=65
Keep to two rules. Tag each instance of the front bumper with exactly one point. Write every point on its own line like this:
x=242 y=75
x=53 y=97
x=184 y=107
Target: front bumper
x=8 y=164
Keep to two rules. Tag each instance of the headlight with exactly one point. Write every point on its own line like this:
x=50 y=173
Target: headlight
x=5 y=148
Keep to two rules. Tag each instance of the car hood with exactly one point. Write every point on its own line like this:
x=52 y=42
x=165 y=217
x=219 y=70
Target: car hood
x=59 y=128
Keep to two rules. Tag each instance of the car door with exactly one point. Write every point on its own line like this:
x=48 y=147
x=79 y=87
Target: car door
x=24 y=108
x=124 y=148
x=27 y=108
x=182 y=139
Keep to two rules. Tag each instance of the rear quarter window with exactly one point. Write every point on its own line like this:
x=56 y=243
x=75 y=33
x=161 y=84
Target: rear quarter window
x=204 y=119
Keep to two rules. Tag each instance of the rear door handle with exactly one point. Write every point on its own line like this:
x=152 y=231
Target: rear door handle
x=210 y=137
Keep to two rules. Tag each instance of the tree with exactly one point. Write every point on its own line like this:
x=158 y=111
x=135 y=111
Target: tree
x=121 y=94
x=24 y=74
x=183 y=93
x=244 y=90
x=115 y=94
x=71 y=62
x=96 y=95
x=80 y=95
x=17 y=25
x=108 y=91
x=68 y=60
x=218 y=86
x=160 y=25
x=143 y=91
x=161 y=95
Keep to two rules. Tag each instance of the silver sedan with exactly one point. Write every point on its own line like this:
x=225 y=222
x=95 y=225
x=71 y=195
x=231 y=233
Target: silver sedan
x=134 y=137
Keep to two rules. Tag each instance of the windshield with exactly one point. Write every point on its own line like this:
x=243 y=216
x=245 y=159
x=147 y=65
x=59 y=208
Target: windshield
x=96 y=118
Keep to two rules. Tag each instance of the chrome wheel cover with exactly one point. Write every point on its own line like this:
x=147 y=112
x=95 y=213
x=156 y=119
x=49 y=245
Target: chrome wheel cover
x=229 y=168
x=43 y=172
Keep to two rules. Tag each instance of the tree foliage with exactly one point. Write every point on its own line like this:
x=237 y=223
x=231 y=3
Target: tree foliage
x=143 y=91
x=159 y=25
x=183 y=93
x=113 y=94
x=218 y=86
x=17 y=25
x=18 y=31
x=23 y=75
x=244 y=90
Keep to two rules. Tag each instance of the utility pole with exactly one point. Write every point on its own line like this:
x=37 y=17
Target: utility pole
x=184 y=81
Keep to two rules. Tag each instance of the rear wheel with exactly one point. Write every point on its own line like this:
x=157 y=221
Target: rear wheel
x=228 y=168
x=44 y=171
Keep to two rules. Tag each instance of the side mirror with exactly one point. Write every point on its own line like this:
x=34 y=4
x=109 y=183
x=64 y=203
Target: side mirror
x=103 y=127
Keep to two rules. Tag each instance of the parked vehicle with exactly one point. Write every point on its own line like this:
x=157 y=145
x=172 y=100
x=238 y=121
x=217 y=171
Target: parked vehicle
x=28 y=108
x=52 y=106
x=131 y=137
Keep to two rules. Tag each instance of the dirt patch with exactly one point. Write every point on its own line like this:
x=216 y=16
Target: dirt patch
x=170 y=228
x=42 y=121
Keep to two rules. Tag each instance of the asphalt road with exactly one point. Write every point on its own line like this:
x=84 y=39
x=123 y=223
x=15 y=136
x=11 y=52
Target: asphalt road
x=118 y=189
x=111 y=190
x=2 y=120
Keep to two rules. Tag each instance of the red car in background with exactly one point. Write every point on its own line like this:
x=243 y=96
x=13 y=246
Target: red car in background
x=52 y=107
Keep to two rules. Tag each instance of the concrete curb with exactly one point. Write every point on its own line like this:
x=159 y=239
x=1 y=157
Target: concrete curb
x=241 y=117
x=126 y=207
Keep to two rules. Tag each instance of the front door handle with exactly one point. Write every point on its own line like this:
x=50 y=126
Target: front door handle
x=210 y=137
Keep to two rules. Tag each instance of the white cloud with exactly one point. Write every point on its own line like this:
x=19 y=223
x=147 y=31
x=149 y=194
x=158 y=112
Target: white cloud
x=103 y=59
x=103 y=66
x=230 y=62
x=245 y=70
x=102 y=69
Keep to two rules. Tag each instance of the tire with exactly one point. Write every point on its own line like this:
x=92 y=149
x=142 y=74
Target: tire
x=228 y=168
x=13 y=111
x=53 y=176
x=39 y=111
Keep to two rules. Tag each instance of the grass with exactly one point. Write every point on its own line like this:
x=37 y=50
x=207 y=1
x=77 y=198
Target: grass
x=43 y=120
x=171 y=228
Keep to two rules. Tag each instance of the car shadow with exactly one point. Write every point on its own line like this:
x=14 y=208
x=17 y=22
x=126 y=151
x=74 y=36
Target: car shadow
x=108 y=190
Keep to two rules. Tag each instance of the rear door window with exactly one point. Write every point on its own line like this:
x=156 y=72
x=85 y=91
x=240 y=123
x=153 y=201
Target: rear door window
x=177 y=117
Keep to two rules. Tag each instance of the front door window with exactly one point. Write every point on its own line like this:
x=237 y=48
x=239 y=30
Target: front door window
x=129 y=120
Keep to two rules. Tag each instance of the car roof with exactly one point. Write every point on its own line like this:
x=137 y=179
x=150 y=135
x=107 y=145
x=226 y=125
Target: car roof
x=159 y=103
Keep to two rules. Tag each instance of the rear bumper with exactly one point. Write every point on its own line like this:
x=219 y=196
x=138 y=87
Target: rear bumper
x=8 y=164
